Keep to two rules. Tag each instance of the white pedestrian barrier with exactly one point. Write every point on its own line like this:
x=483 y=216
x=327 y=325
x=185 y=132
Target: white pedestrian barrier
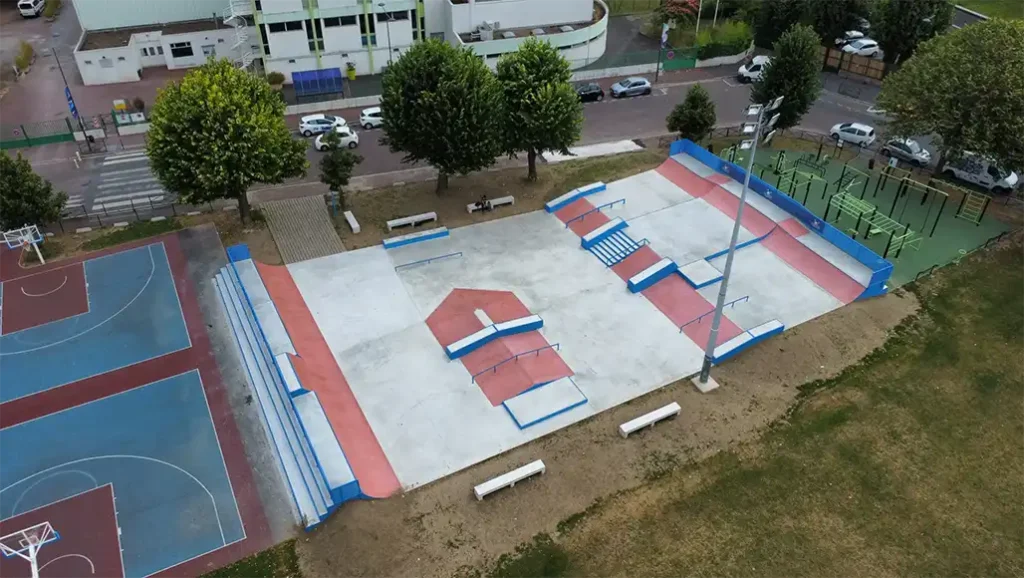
x=649 y=419
x=508 y=480
x=412 y=220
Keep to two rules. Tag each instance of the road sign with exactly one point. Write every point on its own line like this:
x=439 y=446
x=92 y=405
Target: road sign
x=16 y=132
x=71 y=102
x=670 y=54
x=893 y=162
x=664 y=34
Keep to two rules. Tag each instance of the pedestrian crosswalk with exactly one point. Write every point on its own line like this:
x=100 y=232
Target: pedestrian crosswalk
x=127 y=184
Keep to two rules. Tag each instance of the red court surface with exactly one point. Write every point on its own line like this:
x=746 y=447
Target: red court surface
x=200 y=357
x=317 y=369
x=814 y=267
x=587 y=219
x=499 y=373
x=793 y=227
x=753 y=220
x=695 y=185
x=44 y=297
x=88 y=546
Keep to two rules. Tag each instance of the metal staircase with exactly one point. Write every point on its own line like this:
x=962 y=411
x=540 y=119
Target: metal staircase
x=234 y=16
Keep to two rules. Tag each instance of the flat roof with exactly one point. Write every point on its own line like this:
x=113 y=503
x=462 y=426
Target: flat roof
x=119 y=37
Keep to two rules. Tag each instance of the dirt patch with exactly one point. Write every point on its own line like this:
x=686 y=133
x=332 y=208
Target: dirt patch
x=441 y=530
x=374 y=208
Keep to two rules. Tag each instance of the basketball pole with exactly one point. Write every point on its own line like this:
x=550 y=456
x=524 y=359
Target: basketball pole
x=38 y=254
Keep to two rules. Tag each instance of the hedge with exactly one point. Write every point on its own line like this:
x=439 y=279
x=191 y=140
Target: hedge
x=732 y=37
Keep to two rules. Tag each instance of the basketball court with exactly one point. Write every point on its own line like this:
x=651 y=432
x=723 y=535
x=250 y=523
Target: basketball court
x=114 y=427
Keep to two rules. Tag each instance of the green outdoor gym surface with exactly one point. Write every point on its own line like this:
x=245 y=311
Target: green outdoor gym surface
x=937 y=236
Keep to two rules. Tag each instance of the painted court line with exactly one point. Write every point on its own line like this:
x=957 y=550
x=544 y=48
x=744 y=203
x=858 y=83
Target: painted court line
x=14 y=508
x=50 y=292
x=76 y=317
x=92 y=567
x=220 y=452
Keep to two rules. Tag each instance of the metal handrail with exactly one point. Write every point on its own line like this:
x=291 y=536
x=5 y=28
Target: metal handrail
x=494 y=368
x=428 y=260
x=700 y=317
x=594 y=210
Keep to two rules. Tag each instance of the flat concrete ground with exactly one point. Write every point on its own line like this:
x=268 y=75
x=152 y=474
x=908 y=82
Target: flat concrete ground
x=429 y=416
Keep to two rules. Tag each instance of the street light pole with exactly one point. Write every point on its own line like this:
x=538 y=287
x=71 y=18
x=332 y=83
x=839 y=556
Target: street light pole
x=761 y=111
x=67 y=89
x=387 y=24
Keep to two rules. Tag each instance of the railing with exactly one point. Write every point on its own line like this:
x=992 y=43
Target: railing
x=594 y=210
x=494 y=368
x=963 y=253
x=429 y=260
x=699 y=318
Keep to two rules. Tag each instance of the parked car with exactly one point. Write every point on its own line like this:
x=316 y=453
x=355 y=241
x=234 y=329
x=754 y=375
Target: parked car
x=589 y=92
x=632 y=86
x=907 y=149
x=371 y=118
x=977 y=170
x=31 y=8
x=318 y=123
x=849 y=37
x=863 y=47
x=349 y=139
x=751 y=71
x=853 y=133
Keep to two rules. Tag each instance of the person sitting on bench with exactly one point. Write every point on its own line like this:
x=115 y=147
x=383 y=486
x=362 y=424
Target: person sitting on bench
x=483 y=204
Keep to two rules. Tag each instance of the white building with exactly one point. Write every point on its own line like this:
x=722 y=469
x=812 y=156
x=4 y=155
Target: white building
x=314 y=43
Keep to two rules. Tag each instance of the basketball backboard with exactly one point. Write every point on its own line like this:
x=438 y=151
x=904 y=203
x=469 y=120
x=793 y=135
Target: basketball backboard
x=27 y=235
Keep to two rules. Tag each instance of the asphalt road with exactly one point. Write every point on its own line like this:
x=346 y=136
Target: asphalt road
x=120 y=180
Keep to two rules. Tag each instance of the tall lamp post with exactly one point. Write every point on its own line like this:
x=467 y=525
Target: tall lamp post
x=388 y=26
x=764 y=120
x=71 y=99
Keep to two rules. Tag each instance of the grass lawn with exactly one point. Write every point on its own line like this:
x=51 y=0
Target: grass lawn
x=995 y=8
x=911 y=463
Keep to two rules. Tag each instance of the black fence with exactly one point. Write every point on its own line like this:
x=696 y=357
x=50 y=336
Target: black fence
x=140 y=210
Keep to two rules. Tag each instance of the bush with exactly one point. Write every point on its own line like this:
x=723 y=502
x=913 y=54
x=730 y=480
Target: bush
x=24 y=58
x=52 y=8
x=731 y=37
x=275 y=78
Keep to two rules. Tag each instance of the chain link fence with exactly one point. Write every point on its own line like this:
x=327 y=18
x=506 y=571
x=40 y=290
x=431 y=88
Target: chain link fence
x=140 y=209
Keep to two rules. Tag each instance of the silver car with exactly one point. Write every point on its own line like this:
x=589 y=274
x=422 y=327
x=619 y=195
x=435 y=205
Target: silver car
x=907 y=149
x=632 y=86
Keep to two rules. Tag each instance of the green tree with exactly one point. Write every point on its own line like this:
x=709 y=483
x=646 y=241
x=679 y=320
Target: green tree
x=965 y=86
x=218 y=131
x=337 y=165
x=694 y=117
x=542 y=110
x=443 y=106
x=794 y=72
x=678 y=11
x=900 y=26
x=25 y=197
x=774 y=17
x=832 y=18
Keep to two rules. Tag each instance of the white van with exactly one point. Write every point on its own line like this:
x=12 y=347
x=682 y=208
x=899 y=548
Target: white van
x=751 y=71
x=31 y=8
x=980 y=171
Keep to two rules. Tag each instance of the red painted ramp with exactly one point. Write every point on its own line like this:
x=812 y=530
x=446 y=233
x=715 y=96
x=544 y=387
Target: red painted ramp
x=318 y=371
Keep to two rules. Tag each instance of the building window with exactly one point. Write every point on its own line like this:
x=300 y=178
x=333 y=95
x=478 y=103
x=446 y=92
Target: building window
x=263 y=37
x=293 y=25
x=399 y=15
x=181 y=50
x=367 y=26
x=348 y=20
x=332 y=22
x=276 y=27
x=249 y=20
x=219 y=40
x=88 y=62
x=370 y=40
x=120 y=59
x=160 y=50
x=258 y=5
x=144 y=51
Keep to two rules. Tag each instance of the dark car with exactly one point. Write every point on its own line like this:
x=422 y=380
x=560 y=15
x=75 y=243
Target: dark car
x=590 y=92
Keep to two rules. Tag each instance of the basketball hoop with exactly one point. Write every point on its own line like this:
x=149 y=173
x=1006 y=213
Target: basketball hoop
x=27 y=235
x=26 y=544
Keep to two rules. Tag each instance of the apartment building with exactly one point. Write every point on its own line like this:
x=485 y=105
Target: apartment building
x=317 y=43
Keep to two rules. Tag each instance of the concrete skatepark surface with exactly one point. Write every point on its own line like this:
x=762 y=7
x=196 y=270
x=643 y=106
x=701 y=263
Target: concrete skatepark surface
x=427 y=415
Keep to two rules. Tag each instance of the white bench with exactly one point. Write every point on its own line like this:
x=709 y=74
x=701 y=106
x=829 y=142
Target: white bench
x=495 y=203
x=352 y=222
x=649 y=419
x=508 y=480
x=412 y=220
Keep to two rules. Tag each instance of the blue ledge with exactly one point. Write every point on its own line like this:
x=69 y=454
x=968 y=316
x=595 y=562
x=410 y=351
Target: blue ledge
x=415 y=237
x=238 y=253
x=603 y=232
x=652 y=275
x=559 y=202
x=747 y=339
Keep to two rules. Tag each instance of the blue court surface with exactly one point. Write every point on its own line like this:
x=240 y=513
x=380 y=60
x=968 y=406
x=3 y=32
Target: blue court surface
x=134 y=315
x=156 y=444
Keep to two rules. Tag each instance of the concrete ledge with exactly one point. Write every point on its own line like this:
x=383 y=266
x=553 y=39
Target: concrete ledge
x=415 y=237
x=508 y=480
x=158 y=219
x=471 y=342
x=411 y=220
x=544 y=402
x=193 y=213
x=521 y=325
x=649 y=419
x=337 y=473
x=120 y=225
x=603 y=232
x=291 y=379
x=652 y=275
x=700 y=273
x=746 y=339
x=352 y=222
x=559 y=202
x=83 y=230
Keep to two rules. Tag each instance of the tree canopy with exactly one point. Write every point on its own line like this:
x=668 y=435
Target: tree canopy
x=542 y=110
x=967 y=87
x=832 y=18
x=900 y=26
x=217 y=132
x=337 y=165
x=25 y=197
x=694 y=117
x=774 y=17
x=443 y=106
x=794 y=72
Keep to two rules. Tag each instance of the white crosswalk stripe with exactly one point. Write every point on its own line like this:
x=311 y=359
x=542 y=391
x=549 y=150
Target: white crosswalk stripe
x=123 y=188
